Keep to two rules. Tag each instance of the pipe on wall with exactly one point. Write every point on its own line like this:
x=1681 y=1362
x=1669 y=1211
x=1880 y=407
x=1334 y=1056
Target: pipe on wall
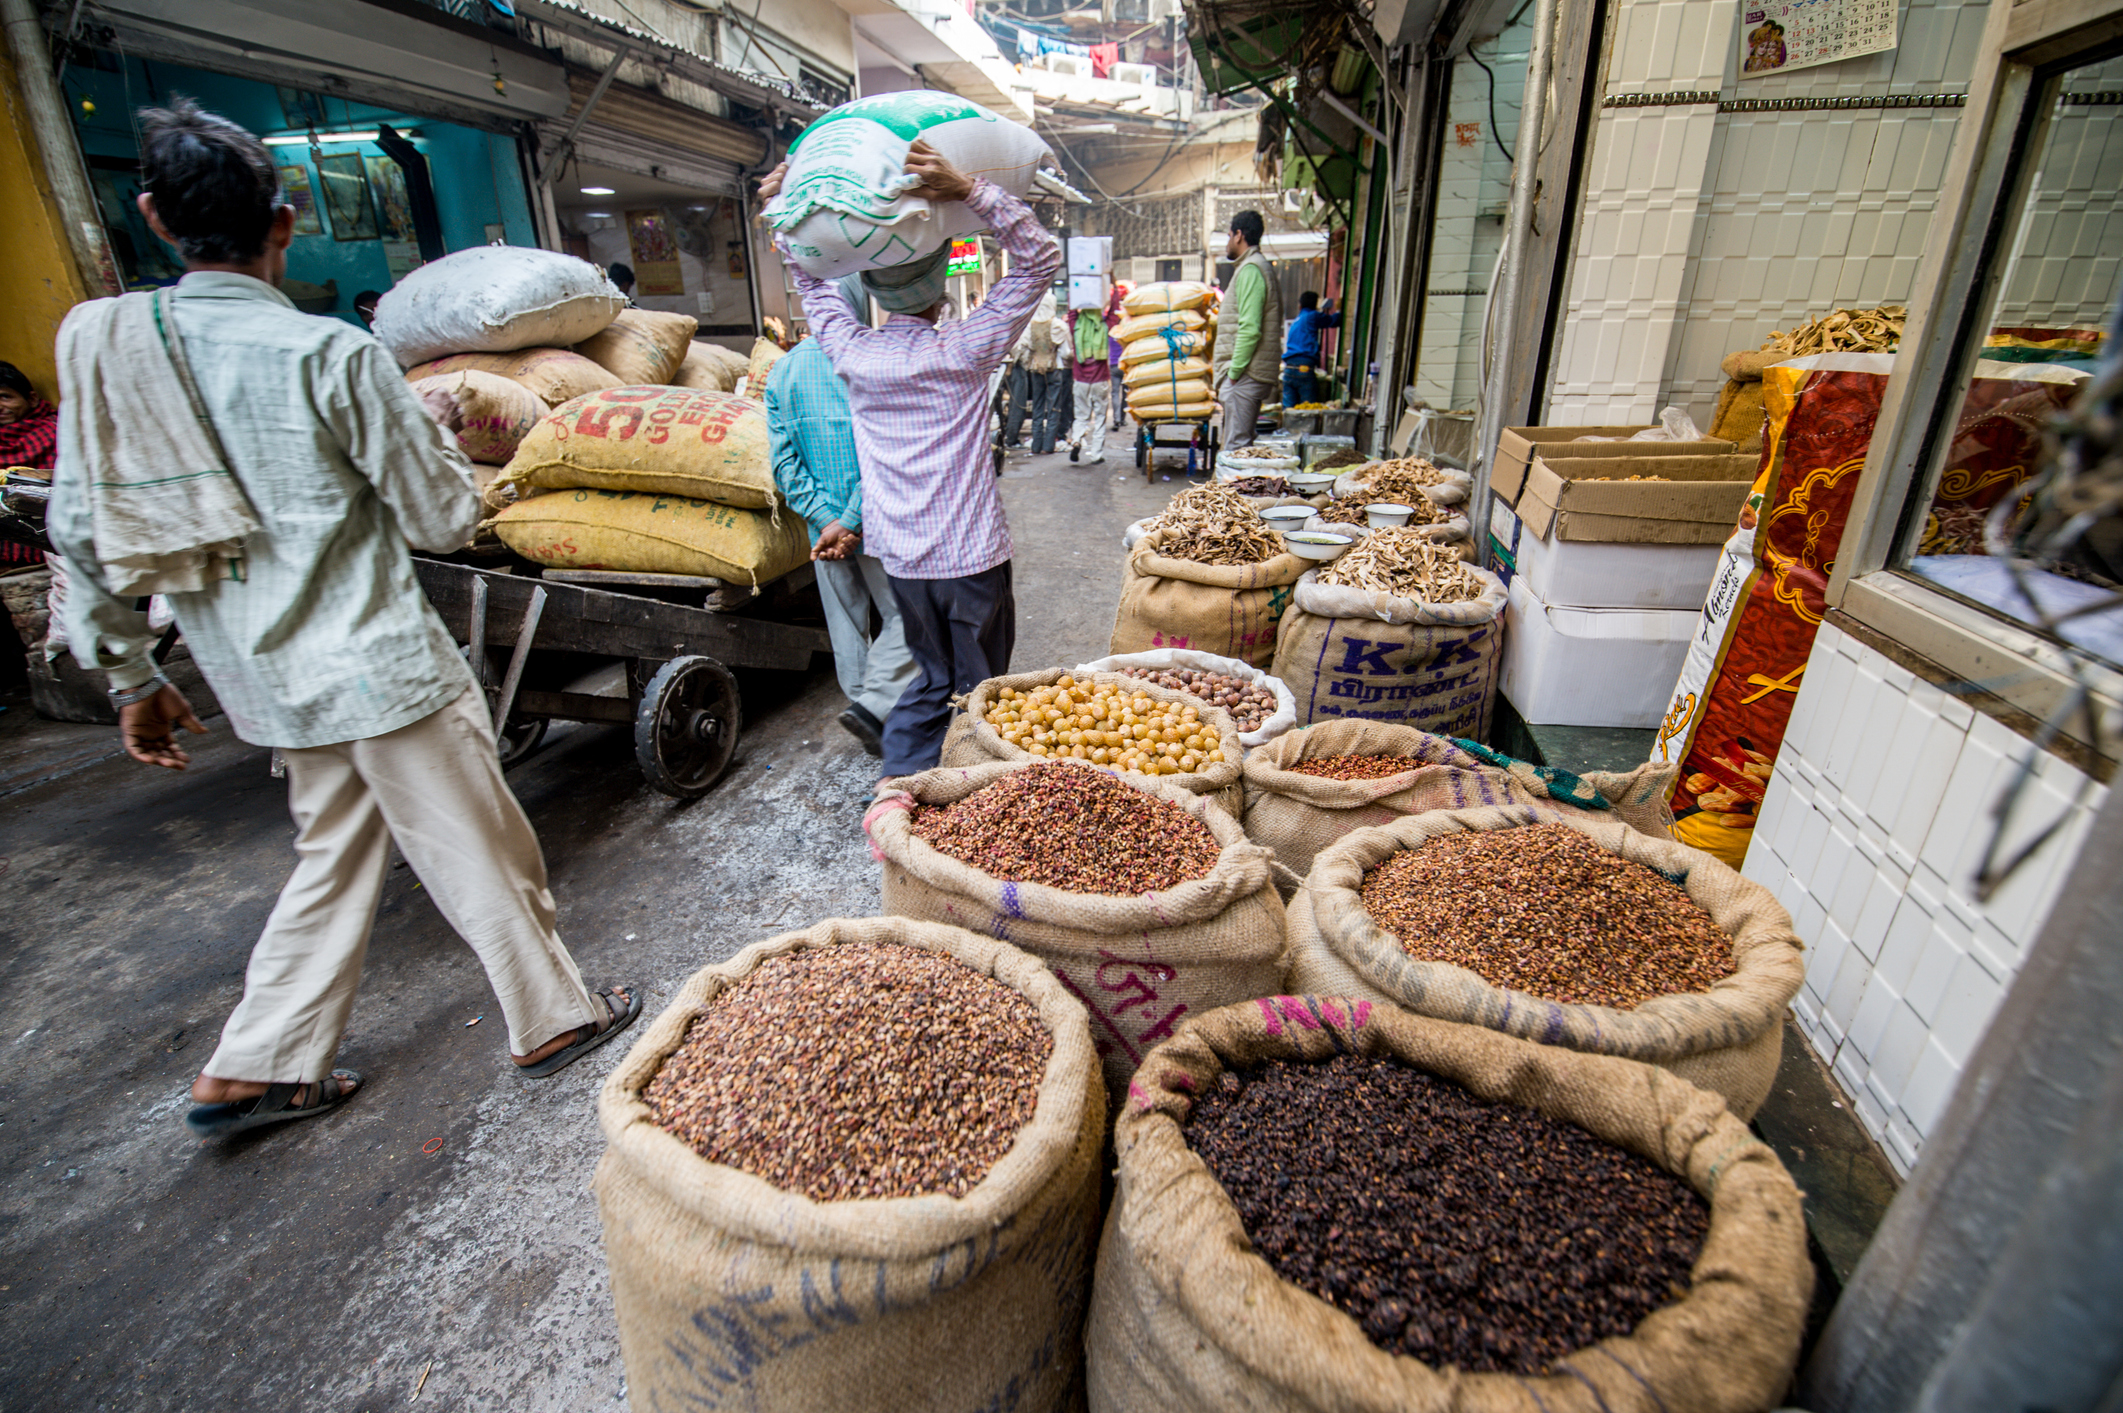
x=54 y=132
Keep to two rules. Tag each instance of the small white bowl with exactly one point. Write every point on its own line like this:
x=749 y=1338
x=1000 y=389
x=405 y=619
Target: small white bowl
x=1309 y=483
x=1317 y=544
x=1385 y=514
x=1287 y=517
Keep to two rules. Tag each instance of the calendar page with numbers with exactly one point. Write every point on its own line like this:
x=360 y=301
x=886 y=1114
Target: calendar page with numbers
x=1796 y=34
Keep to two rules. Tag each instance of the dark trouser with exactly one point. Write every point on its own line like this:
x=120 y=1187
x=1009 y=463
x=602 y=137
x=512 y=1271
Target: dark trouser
x=961 y=632
x=1120 y=394
x=1300 y=384
x=1043 y=398
x=1020 y=392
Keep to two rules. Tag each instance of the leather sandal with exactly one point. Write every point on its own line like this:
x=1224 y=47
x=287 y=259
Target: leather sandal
x=273 y=1106
x=616 y=1020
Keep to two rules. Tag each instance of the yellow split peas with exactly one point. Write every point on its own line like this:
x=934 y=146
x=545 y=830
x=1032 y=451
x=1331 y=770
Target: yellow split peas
x=1106 y=725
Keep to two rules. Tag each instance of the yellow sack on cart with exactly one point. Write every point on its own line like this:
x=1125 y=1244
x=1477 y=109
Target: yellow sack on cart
x=642 y=346
x=1156 y=348
x=1166 y=295
x=1147 y=325
x=682 y=441
x=553 y=375
x=1166 y=394
x=1165 y=372
x=641 y=533
x=1173 y=412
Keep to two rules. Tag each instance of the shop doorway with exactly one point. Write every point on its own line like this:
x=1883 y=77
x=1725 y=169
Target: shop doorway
x=685 y=244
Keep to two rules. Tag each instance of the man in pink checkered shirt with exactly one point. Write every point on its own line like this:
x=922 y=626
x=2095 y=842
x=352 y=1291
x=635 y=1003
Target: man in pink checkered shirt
x=918 y=387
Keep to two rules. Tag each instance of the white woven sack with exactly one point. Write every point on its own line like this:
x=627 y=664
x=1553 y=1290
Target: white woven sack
x=495 y=299
x=1453 y=490
x=1229 y=467
x=1331 y=601
x=1168 y=659
x=843 y=206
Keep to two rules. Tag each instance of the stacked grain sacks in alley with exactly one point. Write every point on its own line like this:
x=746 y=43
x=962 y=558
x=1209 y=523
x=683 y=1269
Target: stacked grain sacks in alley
x=607 y=438
x=1165 y=341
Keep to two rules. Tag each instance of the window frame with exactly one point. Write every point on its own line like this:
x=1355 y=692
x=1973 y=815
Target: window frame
x=2024 y=47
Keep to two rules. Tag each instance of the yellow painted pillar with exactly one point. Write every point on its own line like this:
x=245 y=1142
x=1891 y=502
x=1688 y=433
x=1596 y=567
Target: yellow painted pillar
x=39 y=281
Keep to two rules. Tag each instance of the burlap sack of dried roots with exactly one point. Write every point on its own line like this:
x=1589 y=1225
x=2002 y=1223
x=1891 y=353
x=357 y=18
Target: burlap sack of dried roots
x=1230 y=610
x=1141 y=963
x=1382 y=657
x=735 y=1294
x=1297 y=815
x=1185 y=1315
x=1726 y=1039
x=970 y=740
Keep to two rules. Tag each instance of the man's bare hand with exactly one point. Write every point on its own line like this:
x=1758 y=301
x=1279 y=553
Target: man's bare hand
x=940 y=181
x=837 y=541
x=442 y=405
x=145 y=729
x=770 y=184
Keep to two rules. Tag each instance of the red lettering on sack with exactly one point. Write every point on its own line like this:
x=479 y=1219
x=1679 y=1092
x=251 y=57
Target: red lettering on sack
x=598 y=420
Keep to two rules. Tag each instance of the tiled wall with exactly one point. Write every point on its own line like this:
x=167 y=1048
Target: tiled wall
x=2065 y=260
x=1870 y=833
x=1702 y=232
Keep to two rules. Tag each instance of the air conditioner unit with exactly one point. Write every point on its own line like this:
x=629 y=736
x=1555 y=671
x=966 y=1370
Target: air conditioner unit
x=1138 y=75
x=1143 y=272
x=1074 y=65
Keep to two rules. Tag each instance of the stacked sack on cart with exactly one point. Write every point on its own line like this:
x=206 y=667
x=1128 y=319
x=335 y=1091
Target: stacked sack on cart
x=1166 y=344
x=614 y=439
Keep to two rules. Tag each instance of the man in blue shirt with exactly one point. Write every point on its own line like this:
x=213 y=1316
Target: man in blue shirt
x=1301 y=351
x=813 y=439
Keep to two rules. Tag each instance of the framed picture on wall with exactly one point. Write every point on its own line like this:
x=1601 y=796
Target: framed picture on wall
x=295 y=191
x=346 y=197
x=394 y=215
x=655 y=250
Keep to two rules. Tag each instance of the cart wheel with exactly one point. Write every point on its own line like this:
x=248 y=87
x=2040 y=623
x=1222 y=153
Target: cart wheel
x=516 y=741
x=685 y=730
x=1141 y=434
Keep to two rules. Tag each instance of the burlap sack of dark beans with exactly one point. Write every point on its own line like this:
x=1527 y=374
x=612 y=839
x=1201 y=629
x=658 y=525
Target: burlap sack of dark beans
x=970 y=740
x=1185 y=1315
x=1297 y=815
x=735 y=1294
x=1229 y=610
x=1727 y=1039
x=1140 y=963
x=1377 y=657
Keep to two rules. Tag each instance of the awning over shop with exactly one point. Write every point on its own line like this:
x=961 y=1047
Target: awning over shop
x=771 y=94
x=398 y=55
x=637 y=131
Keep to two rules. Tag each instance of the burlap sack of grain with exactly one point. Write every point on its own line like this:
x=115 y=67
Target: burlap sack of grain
x=970 y=740
x=642 y=533
x=1164 y=296
x=1142 y=964
x=1741 y=415
x=493 y=298
x=1150 y=399
x=1380 y=657
x=765 y=354
x=1163 y=372
x=1297 y=815
x=498 y=413
x=682 y=441
x=1185 y=1315
x=735 y=1294
x=1145 y=327
x=553 y=375
x=1157 y=347
x=641 y=346
x=711 y=368
x=1172 y=411
x=1726 y=1039
x=1229 y=610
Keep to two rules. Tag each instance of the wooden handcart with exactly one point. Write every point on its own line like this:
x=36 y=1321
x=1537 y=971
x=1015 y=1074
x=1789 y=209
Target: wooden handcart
x=640 y=649
x=1151 y=437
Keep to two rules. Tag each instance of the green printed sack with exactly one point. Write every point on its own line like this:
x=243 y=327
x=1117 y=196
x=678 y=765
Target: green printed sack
x=843 y=206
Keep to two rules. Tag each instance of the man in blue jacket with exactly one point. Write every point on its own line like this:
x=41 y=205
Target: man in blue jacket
x=813 y=439
x=1301 y=350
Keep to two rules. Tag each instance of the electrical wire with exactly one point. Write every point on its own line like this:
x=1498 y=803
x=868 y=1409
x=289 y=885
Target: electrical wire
x=1495 y=136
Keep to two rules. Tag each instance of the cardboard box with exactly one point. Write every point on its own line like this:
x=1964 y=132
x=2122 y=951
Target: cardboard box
x=1089 y=291
x=1515 y=451
x=1590 y=666
x=1697 y=501
x=1091 y=255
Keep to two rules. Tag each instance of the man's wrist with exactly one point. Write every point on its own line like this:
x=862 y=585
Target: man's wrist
x=122 y=697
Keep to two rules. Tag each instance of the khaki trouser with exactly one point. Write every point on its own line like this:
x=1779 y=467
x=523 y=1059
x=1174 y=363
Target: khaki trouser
x=434 y=786
x=1242 y=399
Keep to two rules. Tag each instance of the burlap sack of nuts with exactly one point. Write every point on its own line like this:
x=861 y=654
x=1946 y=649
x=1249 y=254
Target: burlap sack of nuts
x=970 y=740
x=1141 y=963
x=1297 y=815
x=1230 y=610
x=735 y=1294
x=1185 y=1315
x=1727 y=1039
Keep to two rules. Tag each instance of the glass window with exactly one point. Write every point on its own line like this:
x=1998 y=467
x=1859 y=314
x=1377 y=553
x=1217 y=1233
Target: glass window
x=1992 y=524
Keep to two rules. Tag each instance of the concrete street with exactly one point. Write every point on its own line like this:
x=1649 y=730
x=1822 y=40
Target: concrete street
x=441 y=1224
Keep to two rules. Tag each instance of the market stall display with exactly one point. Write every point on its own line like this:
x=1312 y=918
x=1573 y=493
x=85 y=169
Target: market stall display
x=1308 y=789
x=495 y=299
x=1405 y=480
x=1724 y=1032
x=1142 y=961
x=1259 y=1148
x=1103 y=719
x=921 y=1052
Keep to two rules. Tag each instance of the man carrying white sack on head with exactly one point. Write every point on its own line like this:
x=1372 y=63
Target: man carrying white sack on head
x=919 y=390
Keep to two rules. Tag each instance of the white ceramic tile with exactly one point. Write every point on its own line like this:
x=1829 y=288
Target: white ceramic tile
x=1825 y=948
x=1836 y=856
x=1851 y=976
x=1876 y=1005
x=1874 y=923
x=1971 y=998
x=1894 y=1056
x=1901 y=1146
x=1945 y=948
x=1847 y=907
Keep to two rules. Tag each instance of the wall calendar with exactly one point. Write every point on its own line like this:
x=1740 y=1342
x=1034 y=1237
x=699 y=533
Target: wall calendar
x=1797 y=34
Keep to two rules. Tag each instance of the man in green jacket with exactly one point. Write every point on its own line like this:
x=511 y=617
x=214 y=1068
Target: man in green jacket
x=1248 y=358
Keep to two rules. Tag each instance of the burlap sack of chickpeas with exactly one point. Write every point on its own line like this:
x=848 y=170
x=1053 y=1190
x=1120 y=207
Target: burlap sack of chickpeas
x=1185 y=1315
x=1141 y=962
x=1297 y=815
x=732 y=1293
x=1727 y=1039
x=1229 y=610
x=971 y=740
